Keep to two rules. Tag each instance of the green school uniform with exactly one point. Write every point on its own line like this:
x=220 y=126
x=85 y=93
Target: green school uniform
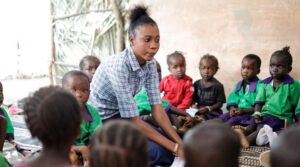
x=240 y=99
x=297 y=113
x=280 y=102
x=87 y=128
x=9 y=126
x=142 y=102
x=3 y=162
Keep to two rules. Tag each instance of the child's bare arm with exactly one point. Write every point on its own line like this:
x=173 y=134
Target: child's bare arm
x=176 y=111
x=241 y=111
x=215 y=106
x=257 y=110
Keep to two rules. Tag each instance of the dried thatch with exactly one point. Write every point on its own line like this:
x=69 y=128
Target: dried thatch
x=84 y=27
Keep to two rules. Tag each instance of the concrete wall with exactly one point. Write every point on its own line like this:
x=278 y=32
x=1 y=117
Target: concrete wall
x=229 y=30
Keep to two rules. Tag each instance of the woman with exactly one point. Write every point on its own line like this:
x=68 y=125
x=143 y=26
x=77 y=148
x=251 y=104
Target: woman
x=117 y=81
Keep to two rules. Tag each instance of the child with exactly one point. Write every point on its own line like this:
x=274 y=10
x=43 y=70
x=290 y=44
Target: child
x=287 y=148
x=240 y=102
x=119 y=144
x=9 y=136
x=277 y=96
x=88 y=65
x=53 y=116
x=209 y=94
x=177 y=87
x=297 y=111
x=78 y=83
x=211 y=144
x=2 y=131
x=144 y=106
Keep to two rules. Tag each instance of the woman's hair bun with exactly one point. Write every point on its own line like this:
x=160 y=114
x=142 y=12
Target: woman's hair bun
x=137 y=12
x=286 y=49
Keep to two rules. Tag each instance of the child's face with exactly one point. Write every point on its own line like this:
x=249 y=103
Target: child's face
x=79 y=87
x=278 y=67
x=249 y=69
x=207 y=70
x=89 y=68
x=145 y=42
x=177 y=67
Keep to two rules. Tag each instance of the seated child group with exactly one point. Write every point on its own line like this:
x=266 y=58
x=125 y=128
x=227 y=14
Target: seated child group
x=255 y=109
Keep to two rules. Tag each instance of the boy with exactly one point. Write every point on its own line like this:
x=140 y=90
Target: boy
x=78 y=83
x=240 y=102
x=88 y=65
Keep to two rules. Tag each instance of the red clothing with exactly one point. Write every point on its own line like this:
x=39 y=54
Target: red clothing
x=178 y=92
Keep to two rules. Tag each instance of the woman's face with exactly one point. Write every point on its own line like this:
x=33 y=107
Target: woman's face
x=145 y=42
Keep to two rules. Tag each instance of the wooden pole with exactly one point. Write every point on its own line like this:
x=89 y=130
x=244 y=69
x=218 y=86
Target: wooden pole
x=52 y=51
x=120 y=44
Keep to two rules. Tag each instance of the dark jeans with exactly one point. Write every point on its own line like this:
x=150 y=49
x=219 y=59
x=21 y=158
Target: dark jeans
x=157 y=155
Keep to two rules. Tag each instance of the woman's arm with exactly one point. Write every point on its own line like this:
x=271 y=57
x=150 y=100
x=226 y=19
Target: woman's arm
x=157 y=137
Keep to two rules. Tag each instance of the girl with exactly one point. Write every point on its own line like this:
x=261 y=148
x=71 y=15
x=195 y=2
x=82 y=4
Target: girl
x=53 y=116
x=177 y=87
x=209 y=94
x=119 y=144
x=118 y=80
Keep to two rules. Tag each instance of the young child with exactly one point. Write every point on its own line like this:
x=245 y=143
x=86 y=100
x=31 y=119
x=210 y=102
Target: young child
x=277 y=96
x=119 y=143
x=211 y=144
x=240 y=102
x=287 y=148
x=53 y=116
x=78 y=83
x=2 y=131
x=88 y=65
x=144 y=106
x=209 y=94
x=9 y=136
x=177 y=87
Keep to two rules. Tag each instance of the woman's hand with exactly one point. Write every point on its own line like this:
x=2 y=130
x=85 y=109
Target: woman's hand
x=180 y=153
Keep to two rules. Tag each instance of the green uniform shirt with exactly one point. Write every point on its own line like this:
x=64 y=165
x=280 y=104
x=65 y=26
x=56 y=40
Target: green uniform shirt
x=87 y=128
x=280 y=102
x=3 y=162
x=240 y=99
x=9 y=126
x=142 y=102
x=297 y=113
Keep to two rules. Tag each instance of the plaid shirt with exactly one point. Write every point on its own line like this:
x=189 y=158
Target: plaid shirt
x=118 y=80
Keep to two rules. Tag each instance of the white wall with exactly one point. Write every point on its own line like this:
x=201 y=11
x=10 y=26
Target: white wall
x=229 y=30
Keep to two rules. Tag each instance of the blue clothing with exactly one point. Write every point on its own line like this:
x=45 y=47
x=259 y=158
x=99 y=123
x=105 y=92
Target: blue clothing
x=157 y=155
x=118 y=80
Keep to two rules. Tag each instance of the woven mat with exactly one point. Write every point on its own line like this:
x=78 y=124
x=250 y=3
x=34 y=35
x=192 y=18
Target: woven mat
x=250 y=156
